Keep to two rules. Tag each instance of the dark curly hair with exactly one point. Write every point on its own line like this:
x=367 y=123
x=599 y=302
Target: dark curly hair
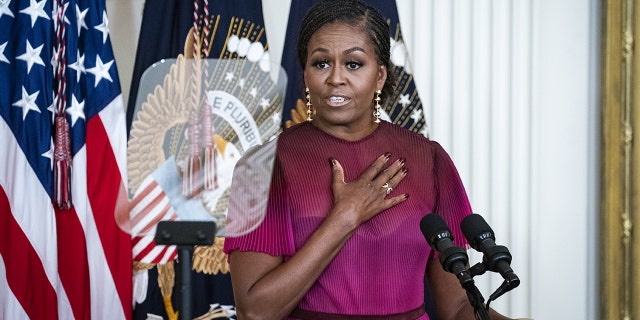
x=356 y=14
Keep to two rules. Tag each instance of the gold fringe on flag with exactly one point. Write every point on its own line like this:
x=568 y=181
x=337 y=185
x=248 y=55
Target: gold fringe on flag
x=166 y=281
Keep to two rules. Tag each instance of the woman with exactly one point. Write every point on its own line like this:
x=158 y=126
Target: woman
x=341 y=235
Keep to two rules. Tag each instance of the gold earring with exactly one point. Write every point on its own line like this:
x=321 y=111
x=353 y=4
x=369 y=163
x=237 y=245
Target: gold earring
x=376 y=111
x=309 y=107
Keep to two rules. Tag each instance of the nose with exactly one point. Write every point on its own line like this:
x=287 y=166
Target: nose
x=336 y=76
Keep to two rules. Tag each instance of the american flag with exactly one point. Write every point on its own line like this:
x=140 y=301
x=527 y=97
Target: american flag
x=150 y=205
x=57 y=263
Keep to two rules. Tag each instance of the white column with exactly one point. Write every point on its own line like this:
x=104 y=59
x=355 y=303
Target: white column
x=507 y=87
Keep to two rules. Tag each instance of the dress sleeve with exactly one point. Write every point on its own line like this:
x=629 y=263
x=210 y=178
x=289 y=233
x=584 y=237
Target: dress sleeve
x=274 y=234
x=452 y=202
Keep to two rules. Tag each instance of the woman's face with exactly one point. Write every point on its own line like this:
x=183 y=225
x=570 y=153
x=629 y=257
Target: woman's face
x=342 y=74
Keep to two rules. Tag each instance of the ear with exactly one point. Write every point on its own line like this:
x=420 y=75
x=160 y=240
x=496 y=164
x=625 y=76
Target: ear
x=382 y=76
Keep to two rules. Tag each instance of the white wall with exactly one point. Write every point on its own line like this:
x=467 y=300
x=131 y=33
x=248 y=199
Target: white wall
x=125 y=17
x=565 y=172
x=510 y=88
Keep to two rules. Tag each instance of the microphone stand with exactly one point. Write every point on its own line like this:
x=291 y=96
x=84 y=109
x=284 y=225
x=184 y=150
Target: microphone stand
x=511 y=281
x=475 y=297
x=480 y=310
x=186 y=235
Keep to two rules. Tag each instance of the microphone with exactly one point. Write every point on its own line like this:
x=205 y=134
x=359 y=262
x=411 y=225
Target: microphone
x=453 y=258
x=496 y=258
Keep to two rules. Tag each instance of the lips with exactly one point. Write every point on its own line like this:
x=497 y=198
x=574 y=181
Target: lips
x=337 y=101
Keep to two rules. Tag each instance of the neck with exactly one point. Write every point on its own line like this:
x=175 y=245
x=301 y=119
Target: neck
x=347 y=132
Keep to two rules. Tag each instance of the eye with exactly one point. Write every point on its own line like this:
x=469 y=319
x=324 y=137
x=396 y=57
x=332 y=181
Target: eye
x=321 y=64
x=353 y=65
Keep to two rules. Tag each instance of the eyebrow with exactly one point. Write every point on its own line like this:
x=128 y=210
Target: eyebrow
x=348 y=51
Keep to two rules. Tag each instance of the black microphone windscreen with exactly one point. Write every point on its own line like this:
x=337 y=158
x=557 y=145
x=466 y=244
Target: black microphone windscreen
x=474 y=225
x=431 y=225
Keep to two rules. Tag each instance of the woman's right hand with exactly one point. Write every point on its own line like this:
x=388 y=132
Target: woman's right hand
x=363 y=198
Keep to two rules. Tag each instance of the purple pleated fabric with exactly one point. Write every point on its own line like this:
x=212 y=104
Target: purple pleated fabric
x=380 y=269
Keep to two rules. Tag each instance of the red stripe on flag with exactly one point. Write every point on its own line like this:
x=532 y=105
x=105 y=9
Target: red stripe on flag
x=73 y=267
x=145 y=251
x=107 y=195
x=135 y=241
x=141 y=254
x=154 y=222
x=164 y=252
x=140 y=195
x=25 y=275
x=152 y=206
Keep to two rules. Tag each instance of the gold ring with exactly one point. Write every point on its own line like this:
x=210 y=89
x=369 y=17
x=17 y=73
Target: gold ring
x=386 y=186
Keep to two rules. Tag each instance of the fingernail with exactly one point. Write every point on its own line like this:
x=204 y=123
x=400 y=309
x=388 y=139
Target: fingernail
x=402 y=161
x=332 y=162
x=406 y=196
x=404 y=170
x=387 y=155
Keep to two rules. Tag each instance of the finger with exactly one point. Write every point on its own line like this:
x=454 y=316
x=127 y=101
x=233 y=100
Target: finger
x=388 y=174
x=390 y=202
x=337 y=171
x=395 y=180
x=375 y=167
